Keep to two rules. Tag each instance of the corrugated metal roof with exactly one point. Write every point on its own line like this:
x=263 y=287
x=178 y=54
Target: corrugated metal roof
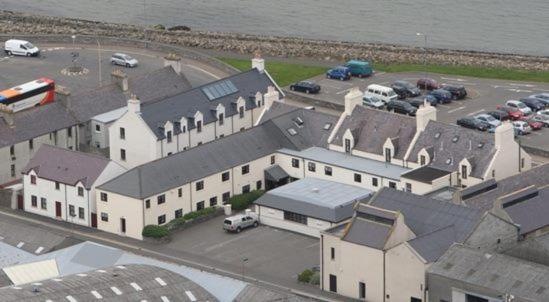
x=32 y=272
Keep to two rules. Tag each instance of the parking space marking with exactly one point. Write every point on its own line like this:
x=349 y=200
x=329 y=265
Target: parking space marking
x=344 y=91
x=4 y=59
x=20 y=244
x=476 y=112
x=444 y=106
x=456 y=109
x=204 y=71
x=522 y=85
x=39 y=250
x=221 y=244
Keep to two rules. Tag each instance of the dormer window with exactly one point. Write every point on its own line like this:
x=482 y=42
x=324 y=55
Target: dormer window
x=388 y=155
x=169 y=136
x=347 y=145
x=464 y=171
x=183 y=129
x=241 y=111
x=221 y=119
x=199 y=126
x=422 y=160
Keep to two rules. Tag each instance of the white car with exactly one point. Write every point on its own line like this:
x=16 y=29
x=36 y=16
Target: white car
x=542 y=118
x=520 y=106
x=543 y=112
x=123 y=60
x=20 y=48
x=522 y=127
x=372 y=101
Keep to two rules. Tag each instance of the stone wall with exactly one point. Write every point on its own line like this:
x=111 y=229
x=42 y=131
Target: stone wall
x=17 y=23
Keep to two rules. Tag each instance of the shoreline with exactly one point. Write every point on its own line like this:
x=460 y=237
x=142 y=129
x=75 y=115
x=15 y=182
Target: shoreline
x=14 y=23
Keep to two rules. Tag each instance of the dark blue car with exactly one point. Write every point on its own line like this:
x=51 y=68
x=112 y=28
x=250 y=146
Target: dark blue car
x=442 y=96
x=340 y=72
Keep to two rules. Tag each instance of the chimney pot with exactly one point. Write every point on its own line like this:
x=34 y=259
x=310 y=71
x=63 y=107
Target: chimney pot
x=63 y=95
x=270 y=97
x=7 y=115
x=174 y=61
x=121 y=79
x=258 y=62
x=352 y=99
x=134 y=105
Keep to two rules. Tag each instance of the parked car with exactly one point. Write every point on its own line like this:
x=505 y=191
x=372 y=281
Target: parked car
x=20 y=48
x=123 y=60
x=340 y=72
x=533 y=104
x=519 y=105
x=457 y=91
x=427 y=84
x=499 y=115
x=442 y=96
x=305 y=86
x=514 y=113
x=239 y=222
x=473 y=123
x=522 y=127
x=543 y=112
x=542 y=97
x=405 y=89
x=486 y=118
x=535 y=125
x=383 y=93
x=419 y=101
x=372 y=101
x=401 y=107
x=544 y=119
x=359 y=68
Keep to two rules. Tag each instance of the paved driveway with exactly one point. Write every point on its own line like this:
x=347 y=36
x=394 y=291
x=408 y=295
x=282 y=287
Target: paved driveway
x=271 y=252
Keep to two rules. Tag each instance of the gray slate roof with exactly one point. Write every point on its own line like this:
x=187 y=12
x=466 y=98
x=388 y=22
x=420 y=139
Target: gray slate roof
x=371 y=128
x=186 y=104
x=530 y=212
x=527 y=281
x=447 y=153
x=534 y=249
x=66 y=166
x=365 y=232
x=317 y=198
x=436 y=224
x=425 y=174
x=152 y=86
x=35 y=122
x=80 y=286
x=537 y=176
x=216 y=156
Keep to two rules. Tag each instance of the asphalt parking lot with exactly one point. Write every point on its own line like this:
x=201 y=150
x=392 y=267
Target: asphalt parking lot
x=16 y=70
x=483 y=95
x=271 y=252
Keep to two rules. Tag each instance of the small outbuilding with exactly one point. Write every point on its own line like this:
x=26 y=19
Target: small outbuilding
x=309 y=205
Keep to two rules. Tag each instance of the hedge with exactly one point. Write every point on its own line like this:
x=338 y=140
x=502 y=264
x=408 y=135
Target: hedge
x=196 y=214
x=243 y=201
x=305 y=276
x=155 y=231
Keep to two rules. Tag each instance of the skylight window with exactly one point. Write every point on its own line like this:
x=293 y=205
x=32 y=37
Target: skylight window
x=449 y=161
x=299 y=121
x=437 y=135
x=455 y=139
x=327 y=126
x=219 y=90
x=292 y=131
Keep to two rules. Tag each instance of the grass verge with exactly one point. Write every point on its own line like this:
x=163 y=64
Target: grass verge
x=287 y=73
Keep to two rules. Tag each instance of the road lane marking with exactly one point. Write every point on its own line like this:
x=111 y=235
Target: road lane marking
x=204 y=71
x=476 y=112
x=221 y=244
x=344 y=91
x=456 y=109
x=522 y=85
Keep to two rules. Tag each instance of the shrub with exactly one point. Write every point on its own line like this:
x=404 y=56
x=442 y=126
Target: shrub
x=159 y=27
x=305 y=276
x=196 y=214
x=315 y=279
x=155 y=231
x=243 y=201
x=175 y=223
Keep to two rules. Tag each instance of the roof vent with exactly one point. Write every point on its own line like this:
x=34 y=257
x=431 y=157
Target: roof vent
x=35 y=289
x=455 y=139
x=292 y=131
x=437 y=135
x=480 y=145
x=327 y=126
x=299 y=121
x=449 y=161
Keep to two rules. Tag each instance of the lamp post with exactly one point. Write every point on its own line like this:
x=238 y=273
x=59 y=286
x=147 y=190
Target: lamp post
x=424 y=51
x=244 y=260
x=99 y=61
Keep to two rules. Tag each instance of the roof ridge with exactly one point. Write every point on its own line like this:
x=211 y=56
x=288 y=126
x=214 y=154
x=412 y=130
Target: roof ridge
x=86 y=154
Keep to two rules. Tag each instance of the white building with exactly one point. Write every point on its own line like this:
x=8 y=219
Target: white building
x=309 y=205
x=60 y=184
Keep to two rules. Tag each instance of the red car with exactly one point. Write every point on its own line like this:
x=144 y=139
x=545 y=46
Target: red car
x=535 y=125
x=514 y=113
x=427 y=83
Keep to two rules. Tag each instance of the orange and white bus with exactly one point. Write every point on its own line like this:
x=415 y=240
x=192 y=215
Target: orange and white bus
x=31 y=94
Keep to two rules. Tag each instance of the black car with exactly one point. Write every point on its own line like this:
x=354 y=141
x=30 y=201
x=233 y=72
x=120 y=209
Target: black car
x=405 y=89
x=499 y=115
x=305 y=86
x=417 y=102
x=457 y=91
x=401 y=107
x=473 y=123
x=533 y=103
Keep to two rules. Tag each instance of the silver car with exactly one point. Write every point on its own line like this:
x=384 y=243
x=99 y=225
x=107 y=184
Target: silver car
x=239 y=222
x=123 y=60
x=372 y=101
x=486 y=118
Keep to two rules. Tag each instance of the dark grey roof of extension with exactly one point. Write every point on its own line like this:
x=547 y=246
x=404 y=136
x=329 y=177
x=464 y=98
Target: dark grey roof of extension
x=365 y=232
x=149 y=87
x=134 y=282
x=474 y=145
x=316 y=198
x=529 y=210
x=534 y=249
x=425 y=174
x=66 y=166
x=486 y=196
x=373 y=127
x=431 y=219
x=277 y=109
x=275 y=173
x=219 y=155
x=35 y=122
x=186 y=104
x=527 y=281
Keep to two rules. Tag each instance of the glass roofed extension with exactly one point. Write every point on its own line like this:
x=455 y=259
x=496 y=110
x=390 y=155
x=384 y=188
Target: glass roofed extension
x=219 y=90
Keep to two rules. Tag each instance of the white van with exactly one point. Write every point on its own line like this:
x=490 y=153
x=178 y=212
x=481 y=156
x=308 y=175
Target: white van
x=21 y=48
x=383 y=93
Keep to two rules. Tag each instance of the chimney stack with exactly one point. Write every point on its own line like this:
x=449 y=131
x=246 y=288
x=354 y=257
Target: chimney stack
x=258 y=62
x=63 y=95
x=352 y=99
x=270 y=97
x=424 y=114
x=174 y=61
x=134 y=104
x=120 y=78
x=504 y=135
x=7 y=115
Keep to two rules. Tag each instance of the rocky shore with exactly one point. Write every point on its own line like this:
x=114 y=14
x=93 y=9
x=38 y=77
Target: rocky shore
x=17 y=23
